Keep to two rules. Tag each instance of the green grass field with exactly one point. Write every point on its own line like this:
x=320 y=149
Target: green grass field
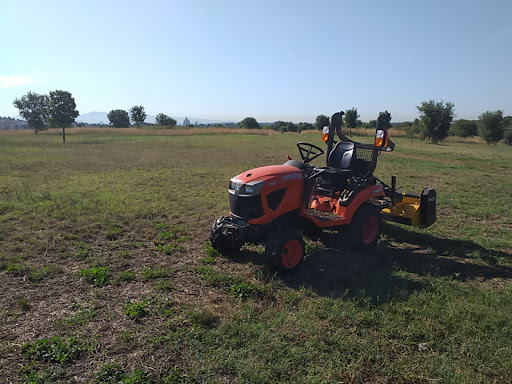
x=107 y=275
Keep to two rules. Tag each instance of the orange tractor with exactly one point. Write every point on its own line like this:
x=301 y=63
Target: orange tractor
x=273 y=205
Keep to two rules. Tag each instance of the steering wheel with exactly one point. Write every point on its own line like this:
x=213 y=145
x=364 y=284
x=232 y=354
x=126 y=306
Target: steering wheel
x=307 y=153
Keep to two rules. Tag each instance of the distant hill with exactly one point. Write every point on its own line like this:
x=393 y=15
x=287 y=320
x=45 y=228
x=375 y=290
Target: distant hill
x=93 y=118
x=101 y=118
x=9 y=123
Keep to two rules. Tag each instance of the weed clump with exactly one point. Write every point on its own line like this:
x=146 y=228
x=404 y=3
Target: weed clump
x=23 y=304
x=152 y=274
x=242 y=290
x=136 y=310
x=169 y=240
x=169 y=249
x=43 y=272
x=97 y=276
x=82 y=251
x=125 y=276
x=204 y=318
x=212 y=255
x=56 y=350
x=175 y=376
x=31 y=375
x=116 y=374
x=165 y=286
x=237 y=286
x=114 y=231
x=16 y=265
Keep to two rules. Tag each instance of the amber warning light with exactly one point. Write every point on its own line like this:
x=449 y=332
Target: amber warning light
x=381 y=139
x=325 y=133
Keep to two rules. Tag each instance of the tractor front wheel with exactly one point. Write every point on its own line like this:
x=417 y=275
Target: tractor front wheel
x=365 y=228
x=285 y=250
x=219 y=240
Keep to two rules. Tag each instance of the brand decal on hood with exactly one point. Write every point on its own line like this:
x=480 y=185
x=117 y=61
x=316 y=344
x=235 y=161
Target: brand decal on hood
x=292 y=176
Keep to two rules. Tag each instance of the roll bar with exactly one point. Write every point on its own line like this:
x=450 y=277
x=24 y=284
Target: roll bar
x=381 y=141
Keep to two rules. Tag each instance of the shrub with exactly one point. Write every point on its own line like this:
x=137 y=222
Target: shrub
x=464 y=128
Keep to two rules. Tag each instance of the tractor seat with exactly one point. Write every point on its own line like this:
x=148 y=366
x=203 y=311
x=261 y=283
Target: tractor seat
x=342 y=156
x=338 y=170
x=339 y=162
x=335 y=173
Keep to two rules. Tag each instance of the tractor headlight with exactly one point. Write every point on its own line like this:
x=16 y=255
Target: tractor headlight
x=237 y=187
x=253 y=188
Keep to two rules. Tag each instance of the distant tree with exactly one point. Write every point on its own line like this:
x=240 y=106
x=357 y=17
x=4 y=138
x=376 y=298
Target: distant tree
x=138 y=115
x=351 y=117
x=305 y=127
x=491 y=126
x=371 y=124
x=162 y=119
x=436 y=118
x=507 y=122
x=34 y=109
x=284 y=126
x=278 y=126
x=119 y=118
x=507 y=138
x=249 y=123
x=507 y=126
x=291 y=127
x=321 y=121
x=62 y=110
x=464 y=128
x=413 y=129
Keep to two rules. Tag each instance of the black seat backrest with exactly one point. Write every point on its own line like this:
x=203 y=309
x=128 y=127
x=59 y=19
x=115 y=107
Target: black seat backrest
x=342 y=155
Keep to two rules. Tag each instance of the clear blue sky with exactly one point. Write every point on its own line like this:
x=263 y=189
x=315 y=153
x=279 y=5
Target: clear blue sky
x=270 y=59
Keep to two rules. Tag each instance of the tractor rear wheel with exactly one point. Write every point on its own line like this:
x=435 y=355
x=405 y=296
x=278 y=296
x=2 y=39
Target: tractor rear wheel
x=365 y=228
x=285 y=250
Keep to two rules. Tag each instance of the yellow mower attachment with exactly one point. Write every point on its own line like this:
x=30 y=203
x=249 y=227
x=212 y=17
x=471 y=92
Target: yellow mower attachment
x=411 y=209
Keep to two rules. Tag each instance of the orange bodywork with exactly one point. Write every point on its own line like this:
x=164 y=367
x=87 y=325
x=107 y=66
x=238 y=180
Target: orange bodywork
x=344 y=213
x=276 y=177
x=290 y=181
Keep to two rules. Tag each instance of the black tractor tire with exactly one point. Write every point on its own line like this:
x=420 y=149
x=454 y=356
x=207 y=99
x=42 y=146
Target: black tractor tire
x=218 y=240
x=364 y=229
x=284 y=250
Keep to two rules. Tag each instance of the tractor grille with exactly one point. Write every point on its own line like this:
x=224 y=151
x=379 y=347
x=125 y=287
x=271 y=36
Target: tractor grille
x=246 y=207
